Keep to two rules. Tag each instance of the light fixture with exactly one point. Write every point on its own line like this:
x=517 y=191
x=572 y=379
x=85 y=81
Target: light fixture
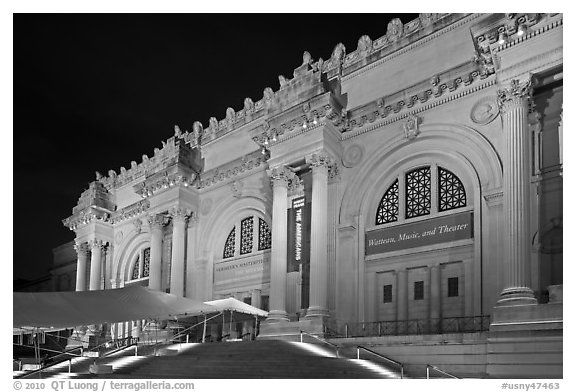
x=502 y=38
x=521 y=29
x=274 y=138
x=263 y=151
x=266 y=141
x=304 y=125
x=315 y=121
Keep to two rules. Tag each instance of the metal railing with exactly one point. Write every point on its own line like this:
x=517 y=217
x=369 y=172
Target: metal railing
x=302 y=333
x=428 y=367
x=400 y=365
x=418 y=327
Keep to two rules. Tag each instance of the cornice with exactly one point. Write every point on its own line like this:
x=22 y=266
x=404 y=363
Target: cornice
x=244 y=165
x=489 y=81
x=130 y=211
x=543 y=29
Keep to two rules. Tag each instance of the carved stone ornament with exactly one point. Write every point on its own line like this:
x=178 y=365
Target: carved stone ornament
x=514 y=95
x=96 y=243
x=138 y=226
x=280 y=176
x=410 y=127
x=427 y=19
x=364 y=45
x=197 y=130
x=395 y=30
x=237 y=187
x=484 y=111
x=157 y=221
x=352 y=155
x=339 y=52
x=81 y=248
x=179 y=213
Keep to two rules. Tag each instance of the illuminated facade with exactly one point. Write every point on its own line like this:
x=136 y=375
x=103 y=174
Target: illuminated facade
x=417 y=177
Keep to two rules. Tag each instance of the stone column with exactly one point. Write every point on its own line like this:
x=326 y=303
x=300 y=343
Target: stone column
x=82 y=251
x=319 y=237
x=179 y=216
x=96 y=264
x=156 y=223
x=514 y=108
x=256 y=298
x=402 y=298
x=280 y=178
x=435 y=298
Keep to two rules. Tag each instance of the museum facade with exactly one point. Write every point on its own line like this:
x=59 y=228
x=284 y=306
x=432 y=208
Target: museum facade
x=416 y=177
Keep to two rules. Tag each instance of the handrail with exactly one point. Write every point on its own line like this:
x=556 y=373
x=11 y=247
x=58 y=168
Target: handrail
x=320 y=339
x=428 y=367
x=39 y=370
x=381 y=356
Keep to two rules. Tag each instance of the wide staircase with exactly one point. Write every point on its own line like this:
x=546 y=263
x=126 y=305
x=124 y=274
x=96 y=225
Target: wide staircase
x=229 y=360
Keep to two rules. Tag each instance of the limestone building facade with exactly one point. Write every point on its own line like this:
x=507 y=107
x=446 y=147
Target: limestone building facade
x=417 y=176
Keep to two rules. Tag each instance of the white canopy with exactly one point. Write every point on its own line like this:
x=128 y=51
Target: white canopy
x=232 y=304
x=70 y=308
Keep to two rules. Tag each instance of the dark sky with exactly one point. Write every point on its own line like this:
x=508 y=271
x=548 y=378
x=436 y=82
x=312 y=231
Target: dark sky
x=96 y=91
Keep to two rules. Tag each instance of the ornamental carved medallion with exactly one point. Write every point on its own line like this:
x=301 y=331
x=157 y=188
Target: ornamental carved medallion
x=352 y=155
x=484 y=111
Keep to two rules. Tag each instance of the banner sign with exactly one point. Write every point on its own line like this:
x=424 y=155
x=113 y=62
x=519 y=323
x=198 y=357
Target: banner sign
x=428 y=232
x=249 y=268
x=298 y=222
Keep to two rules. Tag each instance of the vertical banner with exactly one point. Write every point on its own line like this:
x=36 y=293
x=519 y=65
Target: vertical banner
x=299 y=243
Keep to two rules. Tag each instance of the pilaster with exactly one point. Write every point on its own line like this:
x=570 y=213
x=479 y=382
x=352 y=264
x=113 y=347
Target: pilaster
x=179 y=217
x=156 y=223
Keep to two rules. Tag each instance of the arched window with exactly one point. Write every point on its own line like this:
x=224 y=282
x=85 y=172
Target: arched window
x=265 y=235
x=248 y=231
x=417 y=193
x=230 y=244
x=388 y=208
x=141 y=269
x=452 y=194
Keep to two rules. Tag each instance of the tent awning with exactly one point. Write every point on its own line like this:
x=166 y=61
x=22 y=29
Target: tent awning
x=232 y=304
x=70 y=309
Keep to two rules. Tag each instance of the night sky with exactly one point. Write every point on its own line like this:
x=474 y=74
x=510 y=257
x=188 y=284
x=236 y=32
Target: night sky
x=93 y=92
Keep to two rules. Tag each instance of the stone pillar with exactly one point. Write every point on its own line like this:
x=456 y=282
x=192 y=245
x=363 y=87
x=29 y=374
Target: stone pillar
x=435 y=298
x=319 y=237
x=402 y=299
x=280 y=178
x=156 y=223
x=82 y=251
x=256 y=298
x=96 y=264
x=514 y=108
x=179 y=216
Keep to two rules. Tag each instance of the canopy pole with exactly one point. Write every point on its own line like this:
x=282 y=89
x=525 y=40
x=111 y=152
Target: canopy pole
x=230 y=325
x=204 y=331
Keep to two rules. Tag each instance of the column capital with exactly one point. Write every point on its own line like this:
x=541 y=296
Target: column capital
x=179 y=214
x=96 y=243
x=157 y=221
x=516 y=95
x=281 y=176
x=81 y=248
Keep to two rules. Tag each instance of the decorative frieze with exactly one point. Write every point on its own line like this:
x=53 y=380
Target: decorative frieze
x=130 y=211
x=157 y=185
x=244 y=164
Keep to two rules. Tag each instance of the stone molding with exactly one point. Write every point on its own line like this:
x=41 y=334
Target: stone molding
x=245 y=164
x=130 y=211
x=167 y=181
x=494 y=199
x=390 y=120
